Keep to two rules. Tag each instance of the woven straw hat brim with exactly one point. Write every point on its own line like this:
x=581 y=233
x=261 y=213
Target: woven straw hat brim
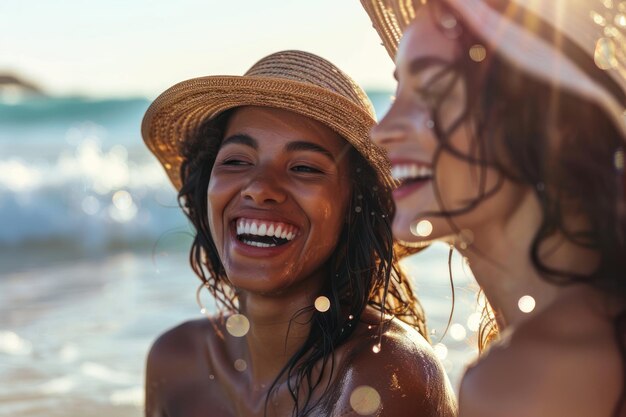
x=503 y=30
x=177 y=114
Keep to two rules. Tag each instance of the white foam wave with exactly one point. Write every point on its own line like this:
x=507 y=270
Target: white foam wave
x=86 y=196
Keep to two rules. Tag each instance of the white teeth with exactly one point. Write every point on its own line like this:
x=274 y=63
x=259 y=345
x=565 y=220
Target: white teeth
x=265 y=228
x=405 y=171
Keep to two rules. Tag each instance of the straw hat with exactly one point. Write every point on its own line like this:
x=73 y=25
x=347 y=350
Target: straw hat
x=292 y=80
x=579 y=45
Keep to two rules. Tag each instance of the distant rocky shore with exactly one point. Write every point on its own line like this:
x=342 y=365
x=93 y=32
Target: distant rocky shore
x=13 y=85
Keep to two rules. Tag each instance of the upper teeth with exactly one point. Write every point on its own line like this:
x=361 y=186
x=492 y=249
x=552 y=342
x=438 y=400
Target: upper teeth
x=265 y=228
x=404 y=171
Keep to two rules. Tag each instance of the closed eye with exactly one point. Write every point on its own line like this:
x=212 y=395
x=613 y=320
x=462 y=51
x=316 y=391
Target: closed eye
x=235 y=162
x=306 y=169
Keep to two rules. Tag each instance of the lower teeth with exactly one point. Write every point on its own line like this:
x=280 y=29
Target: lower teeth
x=258 y=244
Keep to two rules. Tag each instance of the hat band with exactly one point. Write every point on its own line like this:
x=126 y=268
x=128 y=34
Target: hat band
x=551 y=35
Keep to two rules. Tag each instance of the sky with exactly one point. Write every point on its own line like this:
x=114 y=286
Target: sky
x=113 y=48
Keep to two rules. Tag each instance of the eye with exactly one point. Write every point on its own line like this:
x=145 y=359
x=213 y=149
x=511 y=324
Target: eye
x=307 y=169
x=235 y=162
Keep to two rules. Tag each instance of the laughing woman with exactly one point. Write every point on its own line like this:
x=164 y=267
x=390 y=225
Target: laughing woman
x=291 y=205
x=509 y=132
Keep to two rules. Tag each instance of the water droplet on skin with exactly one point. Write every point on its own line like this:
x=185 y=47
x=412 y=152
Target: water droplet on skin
x=241 y=365
x=526 y=304
x=237 y=325
x=322 y=304
x=365 y=400
x=605 y=54
x=423 y=228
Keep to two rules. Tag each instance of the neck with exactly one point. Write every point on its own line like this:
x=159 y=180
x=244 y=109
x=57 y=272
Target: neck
x=500 y=258
x=278 y=328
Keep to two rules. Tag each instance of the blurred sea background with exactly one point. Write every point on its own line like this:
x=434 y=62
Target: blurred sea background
x=93 y=247
x=93 y=260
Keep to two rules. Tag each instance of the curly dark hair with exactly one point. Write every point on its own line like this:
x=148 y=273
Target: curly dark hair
x=364 y=266
x=565 y=148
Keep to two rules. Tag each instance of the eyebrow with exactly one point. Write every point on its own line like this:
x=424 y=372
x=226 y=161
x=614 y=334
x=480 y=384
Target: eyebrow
x=241 y=140
x=303 y=145
x=300 y=145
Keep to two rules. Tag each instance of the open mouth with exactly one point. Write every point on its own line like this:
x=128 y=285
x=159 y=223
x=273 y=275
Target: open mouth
x=411 y=173
x=264 y=233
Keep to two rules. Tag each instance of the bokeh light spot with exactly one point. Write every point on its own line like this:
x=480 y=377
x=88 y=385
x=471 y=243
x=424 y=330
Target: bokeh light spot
x=526 y=304
x=365 y=400
x=237 y=325
x=478 y=53
x=423 y=228
x=458 y=332
x=376 y=348
x=122 y=200
x=473 y=322
x=441 y=351
x=605 y=54
x=241 y=365
x=322 y=304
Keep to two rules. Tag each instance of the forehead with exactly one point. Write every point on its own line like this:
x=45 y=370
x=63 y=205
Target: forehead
x=271 y=125
x=424 y=38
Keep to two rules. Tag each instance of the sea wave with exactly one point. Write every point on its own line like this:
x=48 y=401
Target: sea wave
x=74 y=173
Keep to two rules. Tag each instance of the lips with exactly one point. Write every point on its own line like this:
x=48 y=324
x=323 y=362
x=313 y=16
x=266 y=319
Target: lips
x=263 y=233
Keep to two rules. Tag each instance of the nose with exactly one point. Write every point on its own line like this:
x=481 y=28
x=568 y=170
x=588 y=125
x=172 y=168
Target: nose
x=399 y=124
x=264 y=188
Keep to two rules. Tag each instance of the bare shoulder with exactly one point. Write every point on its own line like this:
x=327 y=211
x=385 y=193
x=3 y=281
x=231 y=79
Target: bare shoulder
x=175 y=360
x=404 y=378
x=561 y=363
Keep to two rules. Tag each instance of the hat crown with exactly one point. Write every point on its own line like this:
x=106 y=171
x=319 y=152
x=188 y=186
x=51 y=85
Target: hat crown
x=311 y=69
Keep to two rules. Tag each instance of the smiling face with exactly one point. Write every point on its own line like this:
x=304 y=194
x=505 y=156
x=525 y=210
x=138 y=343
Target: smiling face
x=430 y=97
x=277 y=198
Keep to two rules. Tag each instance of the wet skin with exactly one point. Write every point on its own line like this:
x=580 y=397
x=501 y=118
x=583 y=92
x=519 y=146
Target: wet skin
x=561 y=359
x=279 y=169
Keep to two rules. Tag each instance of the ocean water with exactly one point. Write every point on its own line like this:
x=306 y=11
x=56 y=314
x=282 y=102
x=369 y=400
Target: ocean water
x=93 y=263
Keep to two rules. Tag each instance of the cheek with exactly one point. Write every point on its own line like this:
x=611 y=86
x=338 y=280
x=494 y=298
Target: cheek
x=218 y=196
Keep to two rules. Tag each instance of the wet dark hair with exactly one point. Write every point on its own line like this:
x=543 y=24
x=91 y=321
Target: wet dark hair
x=364 y=265
x=560 y=145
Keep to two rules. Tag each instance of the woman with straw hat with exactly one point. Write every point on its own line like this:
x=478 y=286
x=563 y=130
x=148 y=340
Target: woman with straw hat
x=291 y=205
x=507 y=134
